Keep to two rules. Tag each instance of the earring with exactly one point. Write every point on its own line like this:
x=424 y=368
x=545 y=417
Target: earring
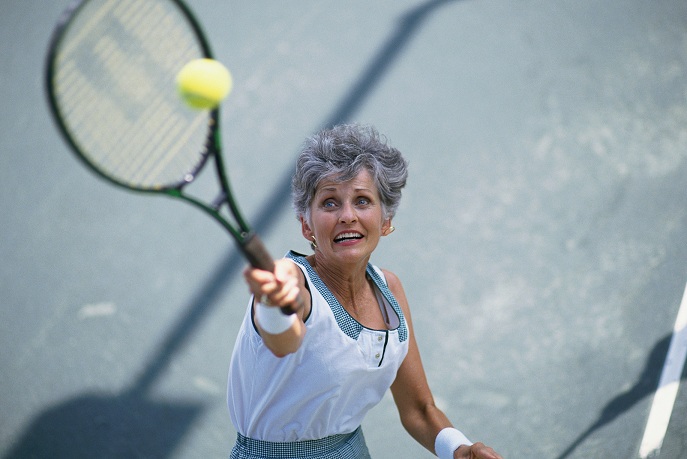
x=313 y=244
x=390 y=230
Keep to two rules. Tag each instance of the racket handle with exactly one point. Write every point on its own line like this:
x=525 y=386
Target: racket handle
x=256 y=253
x=258 y=256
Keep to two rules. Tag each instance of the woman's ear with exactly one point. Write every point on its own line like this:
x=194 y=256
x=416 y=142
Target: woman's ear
x=305 y=229
x=387 y=228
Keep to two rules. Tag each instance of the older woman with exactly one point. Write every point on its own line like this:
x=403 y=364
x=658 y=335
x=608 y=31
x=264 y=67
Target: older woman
x=301 y=384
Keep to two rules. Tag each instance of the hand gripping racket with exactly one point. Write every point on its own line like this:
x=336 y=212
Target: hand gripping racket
x=111 y=84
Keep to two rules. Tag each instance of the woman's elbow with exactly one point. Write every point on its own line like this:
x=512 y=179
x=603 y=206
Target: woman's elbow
x=286 y=343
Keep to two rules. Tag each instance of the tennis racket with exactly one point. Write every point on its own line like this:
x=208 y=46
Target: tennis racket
x=111 y=84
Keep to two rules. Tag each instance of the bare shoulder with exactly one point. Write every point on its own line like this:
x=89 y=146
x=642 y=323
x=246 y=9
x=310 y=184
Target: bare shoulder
x=396 y=288
x=392 y=279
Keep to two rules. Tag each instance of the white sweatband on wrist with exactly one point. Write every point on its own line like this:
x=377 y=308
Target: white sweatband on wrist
x=272 y=320
x=449 y=440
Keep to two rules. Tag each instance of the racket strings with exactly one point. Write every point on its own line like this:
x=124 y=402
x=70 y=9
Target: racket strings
x=114 y=83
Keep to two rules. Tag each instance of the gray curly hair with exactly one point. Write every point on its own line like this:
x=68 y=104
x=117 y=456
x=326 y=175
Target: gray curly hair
x=340 y=153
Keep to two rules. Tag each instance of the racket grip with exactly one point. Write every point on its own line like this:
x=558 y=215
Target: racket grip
x=256 y=253
x=258 y=256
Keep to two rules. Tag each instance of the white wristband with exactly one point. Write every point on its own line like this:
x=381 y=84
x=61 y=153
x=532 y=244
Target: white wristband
x=449 y=440
x=272 y=320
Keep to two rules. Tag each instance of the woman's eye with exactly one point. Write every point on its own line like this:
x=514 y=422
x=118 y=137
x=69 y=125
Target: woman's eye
x=328 y=204
x=363 y=201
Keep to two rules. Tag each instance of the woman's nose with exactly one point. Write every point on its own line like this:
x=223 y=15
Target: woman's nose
x=348 y=214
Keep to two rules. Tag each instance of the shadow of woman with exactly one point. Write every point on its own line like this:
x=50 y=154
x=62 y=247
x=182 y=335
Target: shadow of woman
x=107 y=426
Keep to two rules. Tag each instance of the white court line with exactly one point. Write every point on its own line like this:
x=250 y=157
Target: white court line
x=668 y=385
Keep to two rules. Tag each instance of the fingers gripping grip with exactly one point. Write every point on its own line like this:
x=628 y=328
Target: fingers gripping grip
x=258 y=256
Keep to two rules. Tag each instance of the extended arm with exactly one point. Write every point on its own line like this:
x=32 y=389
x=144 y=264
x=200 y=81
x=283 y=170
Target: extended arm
x=283 y=287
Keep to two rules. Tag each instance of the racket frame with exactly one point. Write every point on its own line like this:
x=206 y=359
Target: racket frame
x=248 y=241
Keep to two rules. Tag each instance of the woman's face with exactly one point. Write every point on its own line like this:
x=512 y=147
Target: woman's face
x=346 y=219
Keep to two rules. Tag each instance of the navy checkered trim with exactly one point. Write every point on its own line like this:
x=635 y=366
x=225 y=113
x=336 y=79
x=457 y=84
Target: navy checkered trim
x=342 y=446
x=402 y=329
x=348 y=324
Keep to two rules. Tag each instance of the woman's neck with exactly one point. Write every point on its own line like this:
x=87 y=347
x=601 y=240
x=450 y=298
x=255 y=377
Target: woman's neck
x=354 y=290
x=347 y=282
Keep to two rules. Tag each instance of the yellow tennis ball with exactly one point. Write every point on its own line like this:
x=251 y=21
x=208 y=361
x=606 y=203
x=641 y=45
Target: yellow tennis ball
x=204 y=83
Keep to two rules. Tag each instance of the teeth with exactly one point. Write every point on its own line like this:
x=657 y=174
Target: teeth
x=348 y=236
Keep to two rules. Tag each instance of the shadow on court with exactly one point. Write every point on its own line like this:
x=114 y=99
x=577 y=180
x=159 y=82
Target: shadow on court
x=131 y=424
x=107 y=426
x=644 y=386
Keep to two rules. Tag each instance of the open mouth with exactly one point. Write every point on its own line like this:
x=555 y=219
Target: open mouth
x=343 y=237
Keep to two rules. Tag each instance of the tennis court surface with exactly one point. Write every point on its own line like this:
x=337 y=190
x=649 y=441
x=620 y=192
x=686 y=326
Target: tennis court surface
x=542 y=238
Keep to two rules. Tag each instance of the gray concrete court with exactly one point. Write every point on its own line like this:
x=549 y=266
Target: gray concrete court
x=542 y=238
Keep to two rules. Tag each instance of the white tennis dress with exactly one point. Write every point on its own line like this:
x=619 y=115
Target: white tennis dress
x=340 y=372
